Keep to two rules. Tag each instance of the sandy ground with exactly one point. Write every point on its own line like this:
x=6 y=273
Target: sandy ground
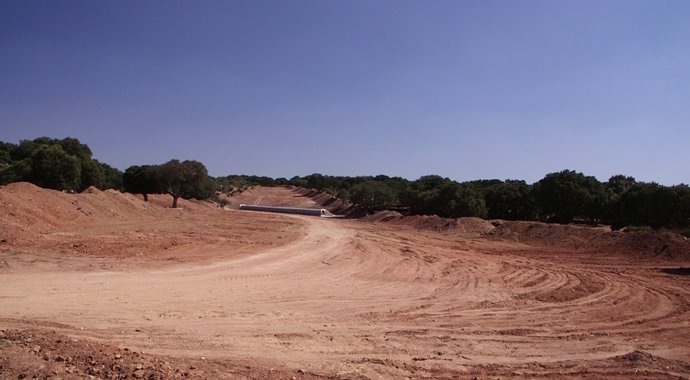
x=255 y=295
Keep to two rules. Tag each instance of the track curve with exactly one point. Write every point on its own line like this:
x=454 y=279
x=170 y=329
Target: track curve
x=367 y=299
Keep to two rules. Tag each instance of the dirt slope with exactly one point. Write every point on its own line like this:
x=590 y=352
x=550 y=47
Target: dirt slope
x=642 y=245
x=332 y=298
x=467 y=227
x=113 y=230
x=284 y=196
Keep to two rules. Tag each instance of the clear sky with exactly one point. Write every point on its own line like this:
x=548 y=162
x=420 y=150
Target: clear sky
x=464 y=89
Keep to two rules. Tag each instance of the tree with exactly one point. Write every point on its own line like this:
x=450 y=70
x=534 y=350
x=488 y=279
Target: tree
x=205 y=190
x=509 y=200
x=434 y=195
x=71 y=146
x=566 y=195
x=683 y=194
x=144 y=180
x=17 y=171
x=619 y=184
x=316 y=181
x=468 y=202
x=650 y=204
x=182 y=179
x=26 y=148
x=111 y=177
x=282 y=181
x=374 y=195
x=5 y=157
x=298 y=181
x=91 y=173
x=52 y=168
x=20 y=160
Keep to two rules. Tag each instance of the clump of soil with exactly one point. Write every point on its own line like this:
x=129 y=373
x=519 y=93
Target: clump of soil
x=91 y=190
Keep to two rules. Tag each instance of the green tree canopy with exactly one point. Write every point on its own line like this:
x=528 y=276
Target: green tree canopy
x=374 y=195
x=435 y=195
x=563 y=196
x=17 y=164
x=111 y=177
x=51 y=167
x=142 y=179
x=509 y=200
x=182 y=179
x=5 y=151
x=650 y=204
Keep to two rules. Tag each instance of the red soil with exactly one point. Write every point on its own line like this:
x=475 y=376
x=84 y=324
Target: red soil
x=103 y=284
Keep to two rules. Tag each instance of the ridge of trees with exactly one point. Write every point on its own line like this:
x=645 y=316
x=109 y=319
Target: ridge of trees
x=56 y=164
x=560 y=197
x=68 y=165
x=186 y=179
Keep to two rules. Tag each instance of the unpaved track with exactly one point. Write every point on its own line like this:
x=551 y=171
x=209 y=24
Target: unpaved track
x=356 y=299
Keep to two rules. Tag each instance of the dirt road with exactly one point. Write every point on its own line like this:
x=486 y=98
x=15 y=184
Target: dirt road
x=351 y=299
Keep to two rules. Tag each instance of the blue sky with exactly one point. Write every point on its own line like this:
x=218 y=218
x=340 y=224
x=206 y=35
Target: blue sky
x=463 y=89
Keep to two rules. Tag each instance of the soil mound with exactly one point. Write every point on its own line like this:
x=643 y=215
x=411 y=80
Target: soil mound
x=595 y=239
x=665 y=245
x=430 y=223
x=461 y=226
x=91 y=190
x=542 y=234
x=28 y=208
x=383 y=216
x=475 y=226
x=25 y=206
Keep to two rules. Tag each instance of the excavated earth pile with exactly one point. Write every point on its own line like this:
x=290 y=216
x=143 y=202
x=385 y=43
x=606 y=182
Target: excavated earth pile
x=641 y=244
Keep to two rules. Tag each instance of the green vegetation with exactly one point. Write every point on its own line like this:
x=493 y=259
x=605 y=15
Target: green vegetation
x=142 y=180
x=63 y=164
x=68 y=165
x=561 y=197
x=567 y=195
x=434 y=195
x=653 y=205
x=186 y=179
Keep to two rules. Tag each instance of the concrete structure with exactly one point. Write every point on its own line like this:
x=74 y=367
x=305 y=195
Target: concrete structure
x=289 y=210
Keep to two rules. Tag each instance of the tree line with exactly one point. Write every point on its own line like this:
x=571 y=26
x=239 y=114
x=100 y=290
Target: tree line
x=561 y=197
x=180 y=179
x=63 y=164
x=68 y=165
